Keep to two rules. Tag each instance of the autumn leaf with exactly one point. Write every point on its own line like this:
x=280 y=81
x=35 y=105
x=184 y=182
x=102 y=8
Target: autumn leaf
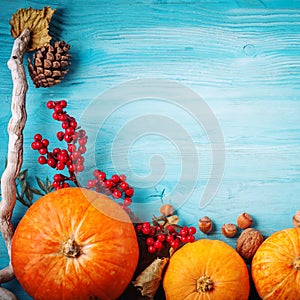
x=149 y=280
x=37 y=21
x=172 y=220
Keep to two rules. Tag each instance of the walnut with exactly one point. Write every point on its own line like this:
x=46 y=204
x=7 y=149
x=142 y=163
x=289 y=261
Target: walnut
x=248 y=243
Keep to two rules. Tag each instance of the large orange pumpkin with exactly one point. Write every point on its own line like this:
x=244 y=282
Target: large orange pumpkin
x=206 y=269
x=74 y=244
x=276 y=266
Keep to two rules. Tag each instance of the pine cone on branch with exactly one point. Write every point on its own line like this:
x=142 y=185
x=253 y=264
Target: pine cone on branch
x=50 y=64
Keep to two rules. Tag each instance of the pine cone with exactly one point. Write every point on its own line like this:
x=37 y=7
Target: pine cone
x=49 y=64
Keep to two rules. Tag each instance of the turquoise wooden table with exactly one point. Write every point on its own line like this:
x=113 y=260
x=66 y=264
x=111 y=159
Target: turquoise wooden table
x=197 y=102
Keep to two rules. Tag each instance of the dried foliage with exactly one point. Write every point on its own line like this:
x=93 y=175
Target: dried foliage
x=145 y=260
x=149 y=280
x=25 y=190
x=37 y=21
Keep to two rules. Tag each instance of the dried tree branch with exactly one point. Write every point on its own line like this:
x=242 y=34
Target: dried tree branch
x=6 y=294
x=15 y=150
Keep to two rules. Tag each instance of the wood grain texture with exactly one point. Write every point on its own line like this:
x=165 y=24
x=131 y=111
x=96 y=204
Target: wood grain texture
x=241 y=57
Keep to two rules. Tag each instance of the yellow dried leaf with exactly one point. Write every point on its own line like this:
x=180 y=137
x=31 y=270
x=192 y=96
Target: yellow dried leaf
x=173 y=220
x=149 y=280
x=37 y=21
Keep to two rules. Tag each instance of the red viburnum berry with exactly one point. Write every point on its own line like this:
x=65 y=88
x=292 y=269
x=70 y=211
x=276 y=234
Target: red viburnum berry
x=37 y=137
x=50 y=104
x=42 y=160
x=51 y=162
x=122 y=177
x=129 y=192
x=127 y=201
x=63 y=103
x=45 y=142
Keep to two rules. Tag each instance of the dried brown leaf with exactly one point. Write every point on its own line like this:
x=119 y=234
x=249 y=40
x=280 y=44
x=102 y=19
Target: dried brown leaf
x=173 y=220
x=37 y=21
x=149 y=280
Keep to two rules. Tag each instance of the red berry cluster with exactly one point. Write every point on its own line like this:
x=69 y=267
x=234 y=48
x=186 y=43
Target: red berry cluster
x=159 y=236
x=72 y=158
x=60 y=158
x=115 y=186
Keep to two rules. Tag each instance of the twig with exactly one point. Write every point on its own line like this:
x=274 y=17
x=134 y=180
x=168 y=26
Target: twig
x=15 y=150
x=6 y=294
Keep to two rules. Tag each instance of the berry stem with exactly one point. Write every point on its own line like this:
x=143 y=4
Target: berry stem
x=73 y=179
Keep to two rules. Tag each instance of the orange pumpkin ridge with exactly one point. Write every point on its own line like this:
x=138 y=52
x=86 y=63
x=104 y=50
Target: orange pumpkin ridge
x=74 y=244
x=276 y=266
x=206 y=269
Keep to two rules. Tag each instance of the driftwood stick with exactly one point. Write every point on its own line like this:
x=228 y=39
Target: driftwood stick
x=6 y=294
x=15 y=150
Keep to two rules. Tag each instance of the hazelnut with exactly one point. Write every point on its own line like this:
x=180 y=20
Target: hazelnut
x=296 y=219
x=205 y=225
x=248 y=243
x=166 y=210
x=244 y=220
x=229 y=230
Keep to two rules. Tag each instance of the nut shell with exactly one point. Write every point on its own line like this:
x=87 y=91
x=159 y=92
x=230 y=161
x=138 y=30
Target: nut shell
x=244 y=220
x=166 y=210
x=229 y=230
x=248 y=243
x=205 y=225
x=296 y=219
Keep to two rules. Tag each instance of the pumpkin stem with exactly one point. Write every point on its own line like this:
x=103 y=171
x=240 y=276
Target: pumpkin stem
x=71 y=248
x=296 y=263
x=204 y=284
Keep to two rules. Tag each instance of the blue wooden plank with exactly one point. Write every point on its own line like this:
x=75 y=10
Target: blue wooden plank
x=241 y=57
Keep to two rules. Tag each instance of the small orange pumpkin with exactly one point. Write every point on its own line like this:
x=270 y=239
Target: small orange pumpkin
x=206 y=269
x=74 y=244
x=276 y=266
